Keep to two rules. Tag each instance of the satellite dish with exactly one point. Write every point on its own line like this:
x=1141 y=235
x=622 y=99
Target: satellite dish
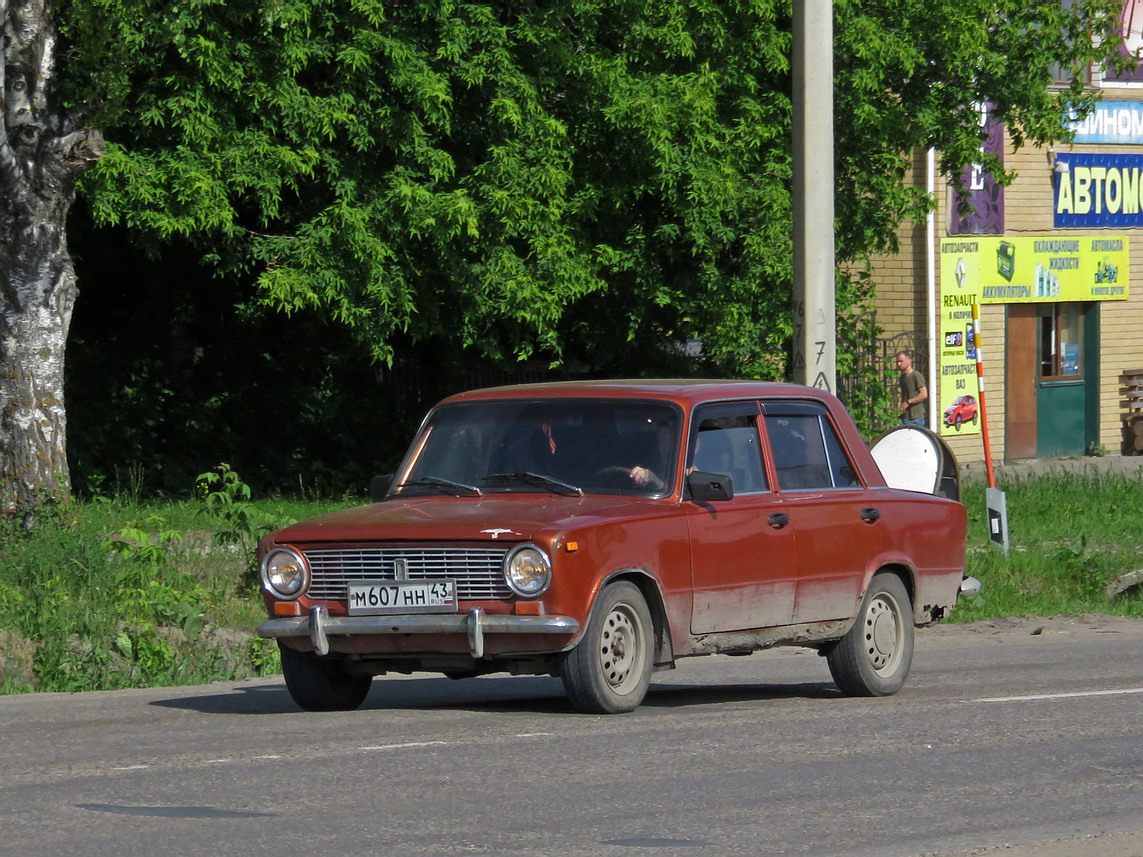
x=912 y=458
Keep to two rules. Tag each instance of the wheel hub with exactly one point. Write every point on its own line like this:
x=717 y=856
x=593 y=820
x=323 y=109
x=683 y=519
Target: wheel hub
x=882 y=634
x=615 y=653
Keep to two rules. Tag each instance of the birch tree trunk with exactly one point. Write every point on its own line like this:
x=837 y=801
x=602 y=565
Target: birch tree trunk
x=42 y=152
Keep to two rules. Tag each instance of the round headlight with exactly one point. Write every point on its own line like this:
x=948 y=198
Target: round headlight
x=284 y=573
x=528 y=571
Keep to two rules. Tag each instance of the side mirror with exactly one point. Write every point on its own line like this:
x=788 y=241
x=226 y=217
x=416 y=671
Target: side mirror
x=710 y=487
x=379 y=487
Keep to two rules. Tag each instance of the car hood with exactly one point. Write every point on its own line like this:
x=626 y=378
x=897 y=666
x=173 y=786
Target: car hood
x=499 y=517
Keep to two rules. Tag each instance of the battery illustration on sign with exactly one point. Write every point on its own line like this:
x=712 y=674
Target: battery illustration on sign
x=1006 y=260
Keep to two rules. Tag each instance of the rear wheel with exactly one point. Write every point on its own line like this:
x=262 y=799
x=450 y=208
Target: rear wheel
x=609 y=671
x=874 y=658
x=317 y=684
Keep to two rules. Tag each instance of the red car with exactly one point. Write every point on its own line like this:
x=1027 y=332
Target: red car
x=600 y=531
x=962 y=410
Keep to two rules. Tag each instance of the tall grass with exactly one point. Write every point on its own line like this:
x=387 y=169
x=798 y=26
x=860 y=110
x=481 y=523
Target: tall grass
x=1070 y=535
x=119 y=592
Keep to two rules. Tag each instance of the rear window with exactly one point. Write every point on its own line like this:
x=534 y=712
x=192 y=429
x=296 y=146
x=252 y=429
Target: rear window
x=808 y=454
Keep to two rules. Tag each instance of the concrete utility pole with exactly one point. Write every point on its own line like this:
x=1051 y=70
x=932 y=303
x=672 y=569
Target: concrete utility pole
x=815 y=340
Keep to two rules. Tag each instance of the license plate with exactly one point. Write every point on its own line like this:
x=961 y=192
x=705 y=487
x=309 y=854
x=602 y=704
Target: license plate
x=402 y=596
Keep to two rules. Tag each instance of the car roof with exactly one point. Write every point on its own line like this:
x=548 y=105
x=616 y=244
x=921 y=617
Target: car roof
x=684 y=391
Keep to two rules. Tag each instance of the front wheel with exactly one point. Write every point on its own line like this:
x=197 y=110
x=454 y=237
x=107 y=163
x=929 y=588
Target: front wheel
x=873 y=659
x=609 y=671
x=317 y=684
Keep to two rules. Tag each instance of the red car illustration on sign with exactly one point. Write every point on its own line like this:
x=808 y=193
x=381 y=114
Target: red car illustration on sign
x=962 y=410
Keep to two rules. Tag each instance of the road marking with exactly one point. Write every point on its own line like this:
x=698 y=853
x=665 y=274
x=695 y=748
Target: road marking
x=131 y=768
x=403 y=746
x=1059 y=695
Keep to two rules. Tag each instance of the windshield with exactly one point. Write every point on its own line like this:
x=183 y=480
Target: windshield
x=558 y=446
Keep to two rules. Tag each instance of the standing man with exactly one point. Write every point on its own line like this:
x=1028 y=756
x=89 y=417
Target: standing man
x=914 y=393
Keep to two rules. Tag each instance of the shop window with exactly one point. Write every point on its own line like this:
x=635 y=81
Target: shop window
x=1061 y=341
x=1130 y=45
x=1063 y=77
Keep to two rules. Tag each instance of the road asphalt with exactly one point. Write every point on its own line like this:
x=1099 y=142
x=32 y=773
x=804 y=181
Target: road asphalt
x=1116 y=845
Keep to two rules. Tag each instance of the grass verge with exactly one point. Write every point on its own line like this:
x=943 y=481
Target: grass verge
x=118 y=593
x=1070 y=537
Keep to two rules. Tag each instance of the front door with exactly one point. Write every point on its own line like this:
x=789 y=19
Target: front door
x=742 y=550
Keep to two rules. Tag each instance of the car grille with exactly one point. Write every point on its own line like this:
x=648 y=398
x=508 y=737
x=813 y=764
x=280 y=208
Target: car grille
x=478 y=572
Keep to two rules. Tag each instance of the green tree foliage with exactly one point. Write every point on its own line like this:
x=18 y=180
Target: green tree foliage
x=576 y=179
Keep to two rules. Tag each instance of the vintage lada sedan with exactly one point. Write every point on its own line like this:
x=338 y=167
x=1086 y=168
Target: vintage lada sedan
x=600 y=531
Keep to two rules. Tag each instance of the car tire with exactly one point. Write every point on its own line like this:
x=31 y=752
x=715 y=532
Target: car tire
x=609 y=670
x=874 y=658
x=318 y=684
x=958 y=422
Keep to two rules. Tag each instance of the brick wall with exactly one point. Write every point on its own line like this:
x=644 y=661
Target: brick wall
x=901 y=292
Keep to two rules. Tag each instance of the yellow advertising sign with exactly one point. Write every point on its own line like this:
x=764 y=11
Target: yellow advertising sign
x=1036 y=269
x=1012 y=269
x=957 y=388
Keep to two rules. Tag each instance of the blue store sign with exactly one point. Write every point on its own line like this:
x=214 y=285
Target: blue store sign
x=1098 y=191
x=1119 y=122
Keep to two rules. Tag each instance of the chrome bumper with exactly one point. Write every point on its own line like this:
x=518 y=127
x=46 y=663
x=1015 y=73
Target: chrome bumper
x=319 y=625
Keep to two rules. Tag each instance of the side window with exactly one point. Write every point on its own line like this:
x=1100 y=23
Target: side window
x=726 y=441
x=808 y=455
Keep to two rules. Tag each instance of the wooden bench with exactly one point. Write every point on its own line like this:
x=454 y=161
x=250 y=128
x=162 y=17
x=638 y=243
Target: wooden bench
x=1131 y=389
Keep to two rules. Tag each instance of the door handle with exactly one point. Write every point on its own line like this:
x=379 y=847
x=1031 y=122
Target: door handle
x=778 y=520
x=869 y=515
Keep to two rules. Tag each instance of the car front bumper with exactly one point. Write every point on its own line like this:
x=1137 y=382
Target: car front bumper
x=319 y=626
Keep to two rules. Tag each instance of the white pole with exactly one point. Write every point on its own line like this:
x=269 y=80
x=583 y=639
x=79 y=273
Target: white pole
x=815 y=333
x=932 y=309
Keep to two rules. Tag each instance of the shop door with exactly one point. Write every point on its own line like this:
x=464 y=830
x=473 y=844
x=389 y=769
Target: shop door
x=1023 y=380
x=1062 y=402
x=1052 y=352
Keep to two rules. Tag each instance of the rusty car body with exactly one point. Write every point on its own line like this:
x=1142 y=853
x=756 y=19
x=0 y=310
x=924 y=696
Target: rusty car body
x=599 y=531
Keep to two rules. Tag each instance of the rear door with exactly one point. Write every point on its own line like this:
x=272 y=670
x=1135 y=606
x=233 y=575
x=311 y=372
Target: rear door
x=834 y=520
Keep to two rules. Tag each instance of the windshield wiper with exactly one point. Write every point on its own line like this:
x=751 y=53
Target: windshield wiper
x=536 y=480
x=457 y=489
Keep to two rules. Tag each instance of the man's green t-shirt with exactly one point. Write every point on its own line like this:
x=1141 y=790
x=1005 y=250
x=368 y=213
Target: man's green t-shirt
x=911 y=385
